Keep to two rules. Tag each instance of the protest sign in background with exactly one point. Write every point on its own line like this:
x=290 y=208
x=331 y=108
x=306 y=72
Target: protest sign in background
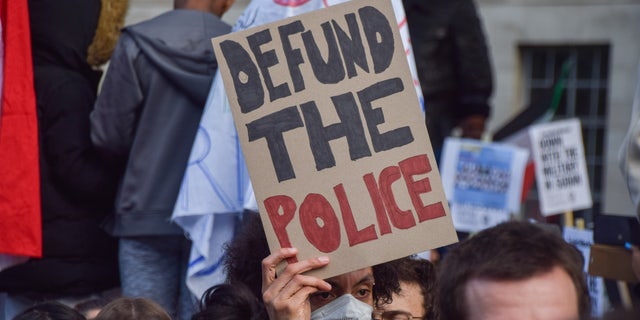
x=335 y=143
x=483 y=182
x=582 y=239
x=561 y=170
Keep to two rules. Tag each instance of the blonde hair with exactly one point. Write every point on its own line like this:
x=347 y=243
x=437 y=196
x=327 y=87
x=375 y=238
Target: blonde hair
x=110 y=22
x=132 y=309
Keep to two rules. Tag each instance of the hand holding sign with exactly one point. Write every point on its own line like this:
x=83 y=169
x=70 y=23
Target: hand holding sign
x=287 y=296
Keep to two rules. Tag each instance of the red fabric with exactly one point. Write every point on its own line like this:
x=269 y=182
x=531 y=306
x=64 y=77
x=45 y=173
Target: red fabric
x=20 y=217
x=529 y=178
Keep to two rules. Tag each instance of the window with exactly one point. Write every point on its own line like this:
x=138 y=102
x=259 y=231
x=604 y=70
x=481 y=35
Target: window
x=583 y=95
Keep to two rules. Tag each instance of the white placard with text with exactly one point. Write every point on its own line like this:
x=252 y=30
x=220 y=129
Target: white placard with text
x=561 y=170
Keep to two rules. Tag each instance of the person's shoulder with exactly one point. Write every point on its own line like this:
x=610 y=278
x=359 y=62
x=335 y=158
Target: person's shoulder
x=157 y=23
x=155 y=19
x=126 y=46
x=174 y=17
x=182 y=21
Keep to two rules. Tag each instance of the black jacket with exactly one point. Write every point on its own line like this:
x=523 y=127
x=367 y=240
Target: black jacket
x=148 y=112
x=77 y=186
x=452 y=60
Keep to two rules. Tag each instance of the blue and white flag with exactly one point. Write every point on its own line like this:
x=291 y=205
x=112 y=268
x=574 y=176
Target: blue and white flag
x=214 y=191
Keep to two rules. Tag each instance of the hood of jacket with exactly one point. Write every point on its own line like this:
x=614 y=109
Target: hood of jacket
x=187 y=62
x=61 y=32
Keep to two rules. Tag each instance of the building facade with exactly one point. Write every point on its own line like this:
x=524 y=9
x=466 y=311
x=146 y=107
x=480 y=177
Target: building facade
x=599 y=40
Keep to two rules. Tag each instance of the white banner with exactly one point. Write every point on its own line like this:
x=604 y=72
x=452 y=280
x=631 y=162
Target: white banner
x=583 y=239
x=214 y=191
x=561 y=170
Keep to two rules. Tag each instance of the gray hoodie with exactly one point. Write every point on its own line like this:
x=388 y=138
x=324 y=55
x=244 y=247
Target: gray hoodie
x=148 y=111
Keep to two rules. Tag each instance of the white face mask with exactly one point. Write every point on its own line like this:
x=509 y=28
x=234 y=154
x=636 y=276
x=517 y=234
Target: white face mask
x=345 y=307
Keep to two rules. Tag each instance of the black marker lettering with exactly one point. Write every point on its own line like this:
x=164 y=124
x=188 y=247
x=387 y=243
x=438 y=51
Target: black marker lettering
x=391 y=139
x=265 y=60
x=379 y=36
x=350 y=127
x=293 y=56
x=271 y=127
x=246 y=78
x=352 y=48
x=331 y=71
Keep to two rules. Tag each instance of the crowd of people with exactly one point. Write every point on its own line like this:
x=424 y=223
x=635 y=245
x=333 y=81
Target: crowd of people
x=515 y=270
x=112 y=163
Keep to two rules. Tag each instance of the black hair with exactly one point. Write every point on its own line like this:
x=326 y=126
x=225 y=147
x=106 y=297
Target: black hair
x=230 y=302
x=421 y=272
x=50 y=310
x=245 y=253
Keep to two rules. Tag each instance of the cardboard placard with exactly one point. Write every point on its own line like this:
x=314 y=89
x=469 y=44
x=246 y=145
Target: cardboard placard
x=611 y=262
x=335 y=142
x=561 y=169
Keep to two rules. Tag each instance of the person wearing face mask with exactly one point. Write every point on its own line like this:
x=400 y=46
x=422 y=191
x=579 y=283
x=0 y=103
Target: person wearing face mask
x=293 y=295
x=515 y=270
x=352 y=295
x=344 y=307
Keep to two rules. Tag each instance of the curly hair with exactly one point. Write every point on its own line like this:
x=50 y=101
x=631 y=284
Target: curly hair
x=245 y=253
x=423 y=273
x=230 y=302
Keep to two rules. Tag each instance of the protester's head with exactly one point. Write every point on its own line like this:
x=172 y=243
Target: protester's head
x=75 y=24
x=230 y=302
x=132 y=309
x=350 y=297
x=50 y=310
x=417 y=297
x=244 y=265
x=513 y=270
x=372 y=285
